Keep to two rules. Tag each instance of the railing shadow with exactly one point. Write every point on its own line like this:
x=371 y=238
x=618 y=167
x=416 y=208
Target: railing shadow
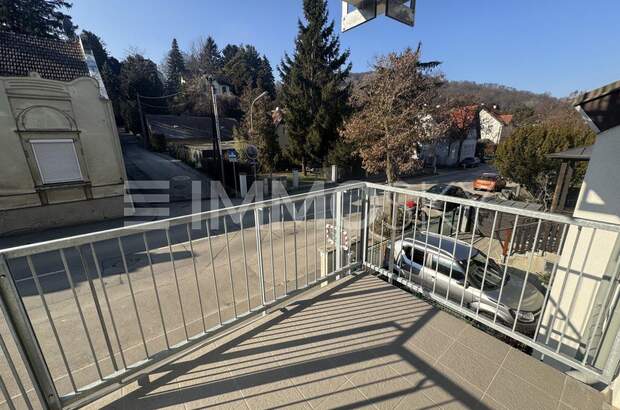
x=222 y=385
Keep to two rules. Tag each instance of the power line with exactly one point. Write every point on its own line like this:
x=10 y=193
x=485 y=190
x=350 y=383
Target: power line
x=158 y=98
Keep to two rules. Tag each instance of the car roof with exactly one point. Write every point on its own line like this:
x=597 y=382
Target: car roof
x=461 y=252
x=489 y=175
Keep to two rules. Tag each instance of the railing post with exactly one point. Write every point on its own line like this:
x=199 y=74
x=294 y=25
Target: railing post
x=25 y=339
x=613 y=360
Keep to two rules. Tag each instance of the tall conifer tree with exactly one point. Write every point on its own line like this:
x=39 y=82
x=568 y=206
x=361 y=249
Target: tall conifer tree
x=175 y=68
x=315 y=93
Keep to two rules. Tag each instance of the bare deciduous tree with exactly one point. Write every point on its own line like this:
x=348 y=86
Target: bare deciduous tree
x=395 y=113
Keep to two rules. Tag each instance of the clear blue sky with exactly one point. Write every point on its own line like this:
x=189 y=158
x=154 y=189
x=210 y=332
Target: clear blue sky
x=538 y=45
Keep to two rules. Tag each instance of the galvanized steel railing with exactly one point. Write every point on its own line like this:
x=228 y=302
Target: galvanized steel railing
x=90 y=313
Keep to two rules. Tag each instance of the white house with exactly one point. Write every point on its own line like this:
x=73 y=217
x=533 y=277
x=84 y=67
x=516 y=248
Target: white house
x=495 y=126
x=596 y=253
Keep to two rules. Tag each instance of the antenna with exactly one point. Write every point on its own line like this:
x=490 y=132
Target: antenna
x=358 y=12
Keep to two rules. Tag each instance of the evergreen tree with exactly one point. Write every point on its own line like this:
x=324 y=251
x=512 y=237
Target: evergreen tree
x=139 y=75
x=175 y=68
x=93 y=43
x=263 y=132
x=315 y=93
x=265 y=78
x=42 y=18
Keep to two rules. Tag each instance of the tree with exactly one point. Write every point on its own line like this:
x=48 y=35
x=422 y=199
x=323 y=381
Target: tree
x=204 y=58
x=247 y=69
x=263 y=134
x=42 y=18
x=138 y=75
x=522 y=158
x=175 y=68
x=394 y=114
x=314 y=91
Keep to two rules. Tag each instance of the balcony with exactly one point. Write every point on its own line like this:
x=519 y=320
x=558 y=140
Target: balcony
x=304 y=302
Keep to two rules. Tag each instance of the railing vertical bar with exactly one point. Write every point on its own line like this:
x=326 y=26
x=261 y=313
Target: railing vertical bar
x=217 y=289
x=14 y=373
x=381 y=238
x=80 y=312
x=501 y=289
x=350 y=225
x=527 y=274
x=612 y=282
x=176 y=283
x=7 y=395
x=283 y=219
x=561 y=295
x=104 y=328
x=245 y=260
x=443 y=218
x=133 y=296
x=259 y=254
x=577 y=288
x=316 y=245
x=295 y=244
x=486 y=263
x=109 y=306
x=306 y=242
x=471 y=248
x=428 y=228
x=193 y=256
x=415 y=231
x=394 y=223
x=364 y=216
x=273 y=261
x=325 y=251
x=456 y=239
x=152 y=271
x=550 y=284
x=230 y=271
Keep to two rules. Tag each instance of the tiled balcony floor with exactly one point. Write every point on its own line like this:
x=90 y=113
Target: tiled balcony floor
x=357 y=343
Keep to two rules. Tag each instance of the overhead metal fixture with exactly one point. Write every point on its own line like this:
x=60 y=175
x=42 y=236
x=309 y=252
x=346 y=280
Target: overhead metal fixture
x=358 y=12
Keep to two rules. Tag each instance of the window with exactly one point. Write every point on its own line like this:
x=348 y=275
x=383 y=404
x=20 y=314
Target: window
x=418 y=257
x=444 y=267
x=57 y=160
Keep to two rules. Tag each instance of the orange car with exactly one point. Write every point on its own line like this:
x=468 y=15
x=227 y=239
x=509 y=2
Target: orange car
x=489 y=182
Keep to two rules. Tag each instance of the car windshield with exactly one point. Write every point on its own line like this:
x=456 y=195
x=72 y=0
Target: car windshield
x=488 y=177
x=438 y=189
x=493 y=277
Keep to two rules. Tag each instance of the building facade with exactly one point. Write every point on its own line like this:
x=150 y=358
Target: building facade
x=61 y=160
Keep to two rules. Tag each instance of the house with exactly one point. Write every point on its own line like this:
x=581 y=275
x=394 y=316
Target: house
x=277 y=116
x=61 y=161
x=495 y=126
x=222 y=88
x=593 y=255
x=460 y=142
x=189 y=138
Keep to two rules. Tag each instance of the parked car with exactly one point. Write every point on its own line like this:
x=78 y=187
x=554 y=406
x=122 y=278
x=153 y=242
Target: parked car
x=489 y=182
x=442 y=264
x=470 y=162
x=435 y=209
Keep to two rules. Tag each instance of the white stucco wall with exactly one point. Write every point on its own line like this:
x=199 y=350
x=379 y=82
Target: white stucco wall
x=77 y=109
x=590 y=252
x=490 y=127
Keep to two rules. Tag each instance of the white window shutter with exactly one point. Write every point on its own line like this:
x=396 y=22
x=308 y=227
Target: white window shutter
x=57 y=160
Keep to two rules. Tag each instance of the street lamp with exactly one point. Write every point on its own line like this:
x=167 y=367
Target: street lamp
x=264 y=94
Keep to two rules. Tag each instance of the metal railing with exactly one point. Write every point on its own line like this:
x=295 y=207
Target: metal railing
x=91 y=313
x=560 y=305
x=94 y=312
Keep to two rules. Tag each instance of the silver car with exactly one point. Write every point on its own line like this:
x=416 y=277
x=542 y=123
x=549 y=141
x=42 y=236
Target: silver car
x=441 y=265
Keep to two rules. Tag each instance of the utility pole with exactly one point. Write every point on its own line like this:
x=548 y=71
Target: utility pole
x=145 y=136
x=217 y=140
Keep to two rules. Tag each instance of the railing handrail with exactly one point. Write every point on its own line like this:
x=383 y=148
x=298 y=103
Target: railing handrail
x=83 y=239
x=559 y=218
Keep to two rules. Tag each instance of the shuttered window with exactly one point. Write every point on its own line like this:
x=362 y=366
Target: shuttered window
x=57 y=160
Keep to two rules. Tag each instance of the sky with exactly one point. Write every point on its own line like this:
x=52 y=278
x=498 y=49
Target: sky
x=537 y=45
